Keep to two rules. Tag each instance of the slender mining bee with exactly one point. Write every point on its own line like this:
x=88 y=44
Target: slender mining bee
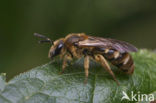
x=101 y=50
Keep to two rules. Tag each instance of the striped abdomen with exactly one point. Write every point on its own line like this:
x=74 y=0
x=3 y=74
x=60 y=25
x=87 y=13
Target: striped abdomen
x=123 y=61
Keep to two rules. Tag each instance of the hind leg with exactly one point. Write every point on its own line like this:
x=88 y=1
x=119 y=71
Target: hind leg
x=104 y=63
x=86 y=67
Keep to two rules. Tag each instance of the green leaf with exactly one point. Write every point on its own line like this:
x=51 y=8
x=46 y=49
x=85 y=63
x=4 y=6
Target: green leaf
x=43 y=84
x=2 y=81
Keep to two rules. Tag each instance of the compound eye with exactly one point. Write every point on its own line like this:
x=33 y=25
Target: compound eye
x=57 y=50
x=59 y=46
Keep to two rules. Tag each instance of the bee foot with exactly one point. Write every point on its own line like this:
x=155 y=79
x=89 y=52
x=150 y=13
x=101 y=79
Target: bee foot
x=61 y=72
x=85 y=81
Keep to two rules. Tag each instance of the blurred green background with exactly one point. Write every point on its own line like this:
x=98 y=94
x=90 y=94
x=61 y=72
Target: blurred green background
x=133 y=21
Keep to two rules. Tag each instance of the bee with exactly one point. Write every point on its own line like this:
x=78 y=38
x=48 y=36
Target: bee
x=101 y=50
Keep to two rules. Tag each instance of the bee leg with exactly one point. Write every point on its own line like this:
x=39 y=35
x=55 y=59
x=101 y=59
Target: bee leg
x=65 y=64
x=104 y=63
x=86 y=67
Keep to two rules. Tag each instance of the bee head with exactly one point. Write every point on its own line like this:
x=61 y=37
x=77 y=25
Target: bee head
x=56 y=45
x=56 y=48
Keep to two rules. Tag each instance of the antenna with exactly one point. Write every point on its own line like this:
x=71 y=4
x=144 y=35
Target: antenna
x=48 y=40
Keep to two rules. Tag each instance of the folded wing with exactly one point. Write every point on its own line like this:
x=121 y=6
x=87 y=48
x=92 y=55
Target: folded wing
x=107 y=43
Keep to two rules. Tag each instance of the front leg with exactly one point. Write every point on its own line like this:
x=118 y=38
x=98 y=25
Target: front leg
x=66 y=58
x=86 y=67
x=104 y=63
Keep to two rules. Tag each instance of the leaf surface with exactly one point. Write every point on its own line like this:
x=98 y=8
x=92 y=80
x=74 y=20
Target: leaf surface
x=43 y=84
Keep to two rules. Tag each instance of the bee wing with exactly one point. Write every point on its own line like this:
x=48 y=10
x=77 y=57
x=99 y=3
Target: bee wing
x=107 y=43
